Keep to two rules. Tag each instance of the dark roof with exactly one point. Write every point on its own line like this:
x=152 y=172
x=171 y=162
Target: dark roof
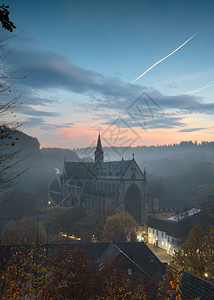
x=171 y=228
x=88 y=170
x=140 y=255
x=144 y=257
x=95 y=250
x=81 y=170
x=114 y=169
x=179 y=203
x=182 y=228
x=195 y=287
x=113 y=252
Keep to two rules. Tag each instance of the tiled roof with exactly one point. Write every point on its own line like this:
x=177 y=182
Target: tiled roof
x=170 y=228
x=182 y=228
x=82 y=170
x=195 y=287
x=113 y=252
x=143 y=256
x=88 y=170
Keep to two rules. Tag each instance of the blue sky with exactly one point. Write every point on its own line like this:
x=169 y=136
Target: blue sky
x=80 y=57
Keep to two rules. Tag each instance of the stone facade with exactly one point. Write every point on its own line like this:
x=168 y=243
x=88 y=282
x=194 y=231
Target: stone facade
x=98 y=185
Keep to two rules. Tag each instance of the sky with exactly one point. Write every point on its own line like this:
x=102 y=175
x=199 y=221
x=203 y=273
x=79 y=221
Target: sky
x=78 y=67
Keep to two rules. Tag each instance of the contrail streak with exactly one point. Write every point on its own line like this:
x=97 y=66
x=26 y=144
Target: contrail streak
x=211 y=84
x=165 y=57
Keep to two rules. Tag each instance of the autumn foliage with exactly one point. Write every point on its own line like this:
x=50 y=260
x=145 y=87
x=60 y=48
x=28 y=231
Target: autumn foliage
x=197 y=253
x=22 y=232
x=65 y=274
x=119 y=228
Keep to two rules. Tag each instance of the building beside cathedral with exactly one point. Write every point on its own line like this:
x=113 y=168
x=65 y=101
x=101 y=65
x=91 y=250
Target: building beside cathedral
x=99 y=185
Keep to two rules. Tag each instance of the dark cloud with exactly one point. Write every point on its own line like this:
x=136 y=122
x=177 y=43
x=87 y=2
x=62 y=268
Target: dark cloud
x=40 y=122
x=27 y=110
x=52 y=70
x=49 y=70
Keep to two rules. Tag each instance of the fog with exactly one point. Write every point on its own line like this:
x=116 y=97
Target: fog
x=173 y=172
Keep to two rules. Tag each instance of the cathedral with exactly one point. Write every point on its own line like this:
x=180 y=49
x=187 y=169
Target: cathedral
x=98 y=185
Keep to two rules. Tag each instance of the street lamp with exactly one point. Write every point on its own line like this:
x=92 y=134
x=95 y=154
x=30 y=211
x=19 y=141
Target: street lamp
x=49 y=203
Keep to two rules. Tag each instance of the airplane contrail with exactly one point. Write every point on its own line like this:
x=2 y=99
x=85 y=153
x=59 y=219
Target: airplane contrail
x=210 y=84
x=165 y=57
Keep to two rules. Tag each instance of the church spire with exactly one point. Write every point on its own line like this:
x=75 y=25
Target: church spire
x=98 y=154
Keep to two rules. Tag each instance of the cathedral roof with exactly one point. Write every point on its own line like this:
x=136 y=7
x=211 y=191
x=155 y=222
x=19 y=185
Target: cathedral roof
x=97 y=169
x=113 y=169
x=89 y=170
x=82 y=170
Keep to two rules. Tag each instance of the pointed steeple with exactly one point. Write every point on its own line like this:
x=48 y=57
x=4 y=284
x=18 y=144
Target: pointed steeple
x=98 y=154
x=99 y=146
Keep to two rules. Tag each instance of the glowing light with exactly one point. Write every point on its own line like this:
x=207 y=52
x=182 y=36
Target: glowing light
x=70 y=236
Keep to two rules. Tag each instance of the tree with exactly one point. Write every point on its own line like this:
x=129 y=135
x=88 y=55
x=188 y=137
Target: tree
x=23 y=273
x=8 y=128
x=197 y=253
x=73 y=274
x=68 y=273
x=119 y=227
x=22 y=232
x=68 y=221
x=4 y=18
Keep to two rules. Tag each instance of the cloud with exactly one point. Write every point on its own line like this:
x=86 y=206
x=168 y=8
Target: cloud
x=190 y=129
x=40 y=123
x=27 y=110
x=45 y=70
x=49 y=71
x=150 y=123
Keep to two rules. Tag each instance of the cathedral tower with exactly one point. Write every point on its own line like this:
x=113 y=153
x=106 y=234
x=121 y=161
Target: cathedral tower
x=98 y=154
